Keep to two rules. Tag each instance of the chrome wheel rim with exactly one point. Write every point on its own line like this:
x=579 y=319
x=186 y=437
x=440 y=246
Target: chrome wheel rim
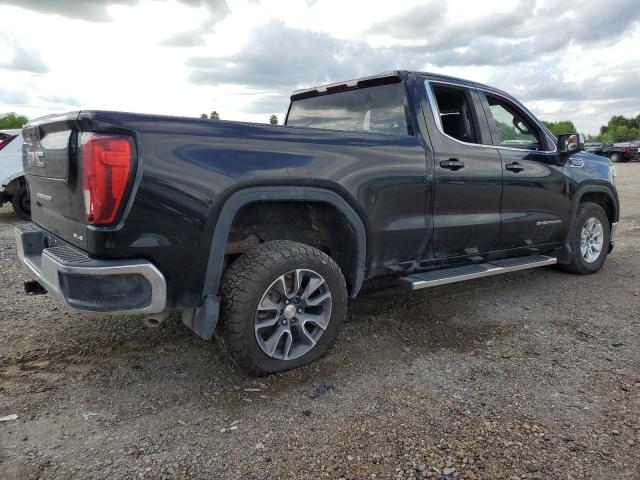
x=293 y=314
x=591 y=240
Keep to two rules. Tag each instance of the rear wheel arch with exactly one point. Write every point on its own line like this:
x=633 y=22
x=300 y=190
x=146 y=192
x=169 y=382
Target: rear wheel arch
x=279 y=194
x=315 y=223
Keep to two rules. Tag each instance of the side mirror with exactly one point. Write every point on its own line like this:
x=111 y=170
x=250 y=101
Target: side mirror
x=570 y=142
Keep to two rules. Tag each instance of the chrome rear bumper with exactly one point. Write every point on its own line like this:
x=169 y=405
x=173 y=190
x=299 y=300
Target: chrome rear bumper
x=113 y=286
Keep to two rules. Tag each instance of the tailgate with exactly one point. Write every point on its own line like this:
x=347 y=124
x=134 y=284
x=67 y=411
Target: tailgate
x=52 y=170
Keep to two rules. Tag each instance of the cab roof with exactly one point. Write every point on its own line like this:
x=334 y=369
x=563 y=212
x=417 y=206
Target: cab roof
x=393 y=76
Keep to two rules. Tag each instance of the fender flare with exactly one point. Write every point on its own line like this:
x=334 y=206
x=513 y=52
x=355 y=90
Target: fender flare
x=203 y=320
x=596 y=188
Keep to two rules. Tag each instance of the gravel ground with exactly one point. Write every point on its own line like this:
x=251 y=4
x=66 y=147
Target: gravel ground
x=529 y=375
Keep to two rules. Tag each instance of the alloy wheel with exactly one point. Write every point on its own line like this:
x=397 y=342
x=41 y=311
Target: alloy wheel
x=591 y=240
x=292 y=315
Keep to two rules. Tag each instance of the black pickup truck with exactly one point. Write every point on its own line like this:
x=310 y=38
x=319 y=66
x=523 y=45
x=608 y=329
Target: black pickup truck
x=425 y=178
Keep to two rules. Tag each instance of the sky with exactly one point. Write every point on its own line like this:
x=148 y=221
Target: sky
x=578 y=60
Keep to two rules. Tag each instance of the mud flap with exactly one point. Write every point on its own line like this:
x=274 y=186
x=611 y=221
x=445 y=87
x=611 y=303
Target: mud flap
x=203 y=319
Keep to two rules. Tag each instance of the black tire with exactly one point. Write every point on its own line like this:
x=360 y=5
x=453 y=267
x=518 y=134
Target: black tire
x=578 y=264
x=249 y=277
x=22 y=203
x=614 y=157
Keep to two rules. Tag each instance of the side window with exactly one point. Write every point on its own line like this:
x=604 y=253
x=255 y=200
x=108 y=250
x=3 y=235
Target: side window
x=512 y=128
x=456 y=113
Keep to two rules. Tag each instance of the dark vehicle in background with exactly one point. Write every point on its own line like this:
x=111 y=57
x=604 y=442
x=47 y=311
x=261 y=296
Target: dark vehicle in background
x=428 y=179
x=629 y=151
x=616 y=152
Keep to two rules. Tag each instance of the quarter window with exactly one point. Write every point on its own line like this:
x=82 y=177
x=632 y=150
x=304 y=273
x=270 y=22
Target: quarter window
x=511 y=127
x=456 y=116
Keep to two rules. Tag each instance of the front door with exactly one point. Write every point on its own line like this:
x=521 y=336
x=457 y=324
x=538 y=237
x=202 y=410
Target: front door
x=467 y=173
x=534 y=194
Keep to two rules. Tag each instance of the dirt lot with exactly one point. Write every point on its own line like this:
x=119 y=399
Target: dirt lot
x=529 y=375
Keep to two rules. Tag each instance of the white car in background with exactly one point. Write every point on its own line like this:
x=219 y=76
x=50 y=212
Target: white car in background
x=13 y=187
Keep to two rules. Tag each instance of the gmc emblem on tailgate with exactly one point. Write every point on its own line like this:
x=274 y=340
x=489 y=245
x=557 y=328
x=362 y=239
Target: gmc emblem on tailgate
x=35 y=158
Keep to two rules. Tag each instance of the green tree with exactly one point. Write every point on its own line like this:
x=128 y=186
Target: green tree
x=621 y=129
x=273 y=119
x=214 y=115
x=563 y=126
x=11 y=120
x=204 y=116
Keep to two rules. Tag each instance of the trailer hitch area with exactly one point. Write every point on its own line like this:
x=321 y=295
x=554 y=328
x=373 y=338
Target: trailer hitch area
x=32 y=287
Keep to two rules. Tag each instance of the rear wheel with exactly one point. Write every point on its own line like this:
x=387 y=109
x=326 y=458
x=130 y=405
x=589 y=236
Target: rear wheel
x=22 y=203
x=614 y=157
x=283 y=304
x=589 y=239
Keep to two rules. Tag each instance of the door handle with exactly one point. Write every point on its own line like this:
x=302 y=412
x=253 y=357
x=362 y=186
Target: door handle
x=452 y=164
x=514 y=167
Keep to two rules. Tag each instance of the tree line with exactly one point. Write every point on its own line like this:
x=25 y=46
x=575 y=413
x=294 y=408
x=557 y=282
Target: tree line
x=618 y=129
x=273 y=119
x=11 y=120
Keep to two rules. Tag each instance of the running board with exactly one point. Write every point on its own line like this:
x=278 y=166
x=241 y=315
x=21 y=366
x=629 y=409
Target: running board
x=443 y=276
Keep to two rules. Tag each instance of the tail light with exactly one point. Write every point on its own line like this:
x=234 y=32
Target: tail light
x=6 y=141
x=106 y=165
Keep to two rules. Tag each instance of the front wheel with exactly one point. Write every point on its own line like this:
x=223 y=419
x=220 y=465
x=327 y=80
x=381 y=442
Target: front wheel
x=589 y=239
x=283 y=303
x=614 y=157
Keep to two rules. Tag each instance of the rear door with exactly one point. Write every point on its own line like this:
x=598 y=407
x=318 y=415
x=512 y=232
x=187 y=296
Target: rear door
x=467 y=173
x=534 y=193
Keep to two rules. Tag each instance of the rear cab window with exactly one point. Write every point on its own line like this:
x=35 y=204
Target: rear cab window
x=378 y=109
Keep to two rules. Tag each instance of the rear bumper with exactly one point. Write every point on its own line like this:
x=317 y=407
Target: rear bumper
x=113 y=286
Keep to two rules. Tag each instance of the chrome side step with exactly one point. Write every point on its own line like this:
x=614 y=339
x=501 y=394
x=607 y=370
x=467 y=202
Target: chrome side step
x=443 y=276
